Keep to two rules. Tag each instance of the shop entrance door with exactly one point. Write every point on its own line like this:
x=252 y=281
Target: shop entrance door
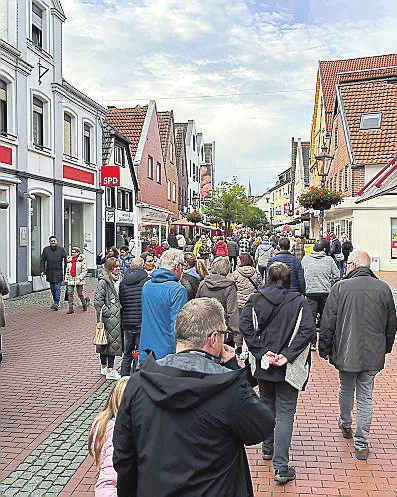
x=73 y=226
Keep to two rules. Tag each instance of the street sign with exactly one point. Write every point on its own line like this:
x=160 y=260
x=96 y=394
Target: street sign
x=110 y=176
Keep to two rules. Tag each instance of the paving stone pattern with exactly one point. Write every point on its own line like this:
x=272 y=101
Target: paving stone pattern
x=49 y=467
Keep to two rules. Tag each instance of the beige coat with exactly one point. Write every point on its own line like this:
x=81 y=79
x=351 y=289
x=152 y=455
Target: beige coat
x=247 y=282
x=81 y=271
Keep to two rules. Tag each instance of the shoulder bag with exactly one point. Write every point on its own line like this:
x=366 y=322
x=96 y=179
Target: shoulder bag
x=100 y=337
x=298 y=370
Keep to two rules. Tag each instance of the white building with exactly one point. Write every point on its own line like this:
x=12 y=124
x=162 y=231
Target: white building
x=50 y=144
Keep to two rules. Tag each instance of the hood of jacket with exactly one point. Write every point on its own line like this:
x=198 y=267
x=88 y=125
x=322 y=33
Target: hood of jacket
x=162 y=275
x=175 y=383
x=134 y=276
x=217 y=282
x=247 y=271
x=276 y=295
x=193 y=272
x=318 y=255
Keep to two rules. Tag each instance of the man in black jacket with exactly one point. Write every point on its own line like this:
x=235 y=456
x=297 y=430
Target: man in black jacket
x=130 y=294
x=184 y=419
x=53 y=262
x=358 y=329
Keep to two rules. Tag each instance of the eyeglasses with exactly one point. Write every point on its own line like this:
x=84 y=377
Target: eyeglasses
x=222 y=332
x=117 y=267
x=349 y=263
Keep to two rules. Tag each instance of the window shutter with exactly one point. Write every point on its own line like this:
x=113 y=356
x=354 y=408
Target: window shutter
x=37 y=16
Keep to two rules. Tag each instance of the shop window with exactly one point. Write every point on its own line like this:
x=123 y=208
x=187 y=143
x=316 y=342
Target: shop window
x=37 y=26
x=3 y=107
x=67 y=134
x=150 y=167
x=118 y=156
x=38 y=122
x=394 y=238
x=87 y=143
x=371 y=120
x=158 y=172
x=110 y=197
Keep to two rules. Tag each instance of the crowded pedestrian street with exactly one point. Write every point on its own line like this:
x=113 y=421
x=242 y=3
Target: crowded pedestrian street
x=51 y=389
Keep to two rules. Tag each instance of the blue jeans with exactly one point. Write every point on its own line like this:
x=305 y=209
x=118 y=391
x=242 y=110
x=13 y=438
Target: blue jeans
x=56 y=291
x=131 y=341
x=281 y=398
x=107 y=360
x=363 y=385
x=262 y=271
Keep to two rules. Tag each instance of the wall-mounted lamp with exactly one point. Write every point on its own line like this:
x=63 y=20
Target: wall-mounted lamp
x=4 y=204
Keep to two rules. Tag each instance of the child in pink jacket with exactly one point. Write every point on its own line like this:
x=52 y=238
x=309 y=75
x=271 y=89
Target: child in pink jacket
x=100 y=441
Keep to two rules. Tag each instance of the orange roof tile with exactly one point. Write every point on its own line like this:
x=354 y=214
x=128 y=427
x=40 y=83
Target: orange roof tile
x=377 y=95
x=330 y=70
x=129 y=122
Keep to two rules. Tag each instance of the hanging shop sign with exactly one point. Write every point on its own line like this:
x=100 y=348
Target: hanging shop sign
x=110 y=176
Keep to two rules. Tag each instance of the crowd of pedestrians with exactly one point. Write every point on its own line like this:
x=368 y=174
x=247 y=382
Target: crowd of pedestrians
x=195 y=311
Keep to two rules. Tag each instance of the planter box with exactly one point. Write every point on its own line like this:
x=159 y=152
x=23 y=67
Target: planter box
x=40 y=283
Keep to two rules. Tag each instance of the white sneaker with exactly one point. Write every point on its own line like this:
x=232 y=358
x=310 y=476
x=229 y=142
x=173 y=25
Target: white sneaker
x=104 y=370
x=113 y=375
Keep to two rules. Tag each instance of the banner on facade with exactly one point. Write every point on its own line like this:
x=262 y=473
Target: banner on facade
x=110 y=176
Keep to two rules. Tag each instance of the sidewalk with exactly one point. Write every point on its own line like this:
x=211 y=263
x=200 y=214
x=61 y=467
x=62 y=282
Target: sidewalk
x=50 y=390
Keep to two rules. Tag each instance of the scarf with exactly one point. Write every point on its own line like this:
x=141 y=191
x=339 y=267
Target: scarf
x=73 y=270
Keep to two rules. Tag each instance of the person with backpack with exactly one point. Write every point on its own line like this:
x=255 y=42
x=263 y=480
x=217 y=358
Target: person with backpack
x=220 y=249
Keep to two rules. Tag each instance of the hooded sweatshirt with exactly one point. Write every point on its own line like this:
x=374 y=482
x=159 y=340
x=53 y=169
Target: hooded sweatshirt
x=181 y=428
x=225 y=291
x=320 y=272
x=263 y=253
x=162 y=298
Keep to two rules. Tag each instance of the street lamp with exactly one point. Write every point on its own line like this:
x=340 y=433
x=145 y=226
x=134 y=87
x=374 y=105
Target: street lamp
x=323 y=164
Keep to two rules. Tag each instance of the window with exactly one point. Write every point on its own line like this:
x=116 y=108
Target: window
x=150 y=167
x=194 y=143
x=126 y=201
x=37 y=26
x=3 y=107
x=168 y=190
x=38 y=122
x=371 y=120
x=173 y=192
x=67 y=135
x=118 y=156
x=158 y=172
x=336 y=137
x=110 y=197
x=171 y=153
x=87 y=143
x=119 y=200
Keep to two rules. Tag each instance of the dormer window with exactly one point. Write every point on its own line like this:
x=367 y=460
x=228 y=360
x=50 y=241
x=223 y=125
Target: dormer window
x=37 y=26
x=118 y=156
x=371 y=120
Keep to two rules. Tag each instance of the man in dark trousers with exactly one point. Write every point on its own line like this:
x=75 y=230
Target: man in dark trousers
x=184 y=419
x=53 y=263
x=358 y=329
x=130 y=294
x=285 y=256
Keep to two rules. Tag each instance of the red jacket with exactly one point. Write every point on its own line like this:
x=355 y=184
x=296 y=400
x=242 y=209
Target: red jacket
x=221 y=249
x=157 y=250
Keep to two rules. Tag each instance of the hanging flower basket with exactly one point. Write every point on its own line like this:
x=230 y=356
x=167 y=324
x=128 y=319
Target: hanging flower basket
x=319 y=198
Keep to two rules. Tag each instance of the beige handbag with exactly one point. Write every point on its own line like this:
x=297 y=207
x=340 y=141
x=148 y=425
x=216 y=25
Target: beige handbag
x=297 y=371
x=100 y=337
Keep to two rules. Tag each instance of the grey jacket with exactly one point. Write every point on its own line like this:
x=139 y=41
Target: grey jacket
x=107 y=296
x=320 y=272
x=358 y=326
x=263 y=253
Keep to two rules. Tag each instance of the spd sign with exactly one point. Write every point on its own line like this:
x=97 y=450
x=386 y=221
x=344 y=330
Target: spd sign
x=110 y=176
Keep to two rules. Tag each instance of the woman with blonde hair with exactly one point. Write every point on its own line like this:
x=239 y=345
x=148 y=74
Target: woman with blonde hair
x=100 y=441
x=76 y=271
x=107 y=302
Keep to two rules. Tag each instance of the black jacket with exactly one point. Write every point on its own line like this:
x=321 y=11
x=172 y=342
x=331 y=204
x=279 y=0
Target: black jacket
x=130 y=295
x=191 y=283
x=277 y=311
x=181 y=428
x=358 y=325
x=172 y=242
x=347 y=248
x=53 y=263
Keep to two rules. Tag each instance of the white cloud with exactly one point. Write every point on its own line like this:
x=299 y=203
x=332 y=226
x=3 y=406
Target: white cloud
x=127 y=52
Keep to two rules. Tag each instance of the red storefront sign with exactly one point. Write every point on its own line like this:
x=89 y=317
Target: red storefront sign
x=5 y=155
x=78 y=174
x=110 y=176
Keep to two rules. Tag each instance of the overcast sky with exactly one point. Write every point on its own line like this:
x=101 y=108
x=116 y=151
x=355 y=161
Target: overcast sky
x=244 y=70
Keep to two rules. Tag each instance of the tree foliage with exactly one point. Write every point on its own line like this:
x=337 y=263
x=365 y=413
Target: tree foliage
x=195 y=217
x=229 y=203
x=255 y=218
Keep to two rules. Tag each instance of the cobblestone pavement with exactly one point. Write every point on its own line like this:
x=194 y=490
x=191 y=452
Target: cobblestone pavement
x=50 y=390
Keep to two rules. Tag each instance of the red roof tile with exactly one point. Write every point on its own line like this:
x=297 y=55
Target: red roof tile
x=331 y=70
x=374 y=146
x=129 y=122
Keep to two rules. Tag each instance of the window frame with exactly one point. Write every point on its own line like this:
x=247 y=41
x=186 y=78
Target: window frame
x=3 y=108
x=150 y=170
x=118 y=160
x=158 y=173
x=87 y=144
x=40 y=124
x=68 y=153
x=37 y=26
x=370 y=115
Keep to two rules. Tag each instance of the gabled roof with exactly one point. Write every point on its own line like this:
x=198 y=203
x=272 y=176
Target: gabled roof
x=385 y=182
x=373 y=146
x=330 y=73
x=129 y=122
x=108 y=132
